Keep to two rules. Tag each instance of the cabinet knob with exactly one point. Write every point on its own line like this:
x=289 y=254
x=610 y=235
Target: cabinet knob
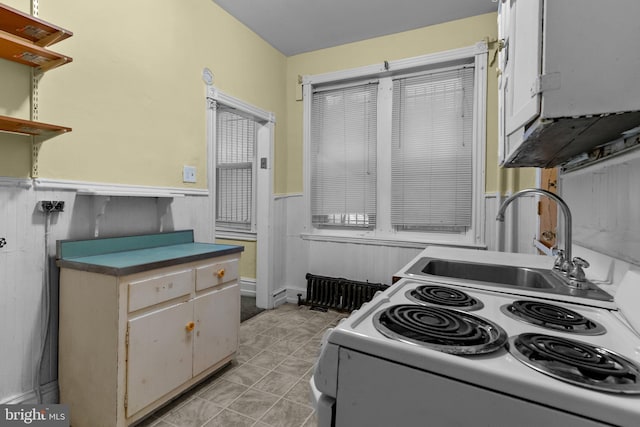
x=190 y=326
x=220 y=273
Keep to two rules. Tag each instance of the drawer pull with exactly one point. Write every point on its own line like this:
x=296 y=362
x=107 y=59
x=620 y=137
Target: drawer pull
x=220 y=273
x=190 y=326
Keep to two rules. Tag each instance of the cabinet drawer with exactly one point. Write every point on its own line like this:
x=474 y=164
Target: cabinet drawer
x=154 y=290
x=216 y=274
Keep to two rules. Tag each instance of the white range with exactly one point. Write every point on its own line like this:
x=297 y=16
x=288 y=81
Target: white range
x=437 y=353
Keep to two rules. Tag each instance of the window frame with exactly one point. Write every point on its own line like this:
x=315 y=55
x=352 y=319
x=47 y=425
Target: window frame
x=264 y=120
x=384 y=233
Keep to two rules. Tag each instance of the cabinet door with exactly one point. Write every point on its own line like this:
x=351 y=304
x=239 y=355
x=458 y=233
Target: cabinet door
x=217 y=316
x=159 y=354
x=522 y=61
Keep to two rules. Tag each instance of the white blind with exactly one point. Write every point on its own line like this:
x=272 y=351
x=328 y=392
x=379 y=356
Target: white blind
x=432 y=137
x=235 y=155
x=343 y=156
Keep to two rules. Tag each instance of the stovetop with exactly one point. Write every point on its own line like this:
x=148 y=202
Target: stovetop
x=585 y=331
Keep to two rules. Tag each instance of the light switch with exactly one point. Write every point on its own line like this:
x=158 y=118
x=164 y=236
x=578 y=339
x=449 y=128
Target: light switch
x=189 y=174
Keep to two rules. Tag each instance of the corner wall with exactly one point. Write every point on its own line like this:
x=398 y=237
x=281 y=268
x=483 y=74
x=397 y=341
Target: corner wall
x=135 y=99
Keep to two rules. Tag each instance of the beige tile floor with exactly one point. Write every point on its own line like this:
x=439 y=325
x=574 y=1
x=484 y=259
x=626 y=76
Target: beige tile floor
x=267 y=384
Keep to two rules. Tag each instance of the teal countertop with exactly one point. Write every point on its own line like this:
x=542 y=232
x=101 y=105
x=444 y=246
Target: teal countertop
x=119 y=256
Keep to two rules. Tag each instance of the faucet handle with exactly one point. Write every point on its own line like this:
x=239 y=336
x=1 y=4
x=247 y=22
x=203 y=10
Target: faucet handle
x=577 y=272
x=558 y=263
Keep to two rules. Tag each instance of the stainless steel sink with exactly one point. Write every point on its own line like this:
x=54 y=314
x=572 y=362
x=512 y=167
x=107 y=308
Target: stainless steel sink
x=535 y=279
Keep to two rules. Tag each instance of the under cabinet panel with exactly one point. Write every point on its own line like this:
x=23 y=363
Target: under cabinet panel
x=159 y=354
x=216 y=274
x=217 y=316
x=154 y=290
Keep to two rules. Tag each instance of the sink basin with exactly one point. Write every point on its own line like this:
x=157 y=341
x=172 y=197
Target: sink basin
x=501 y=274
x=506 y=276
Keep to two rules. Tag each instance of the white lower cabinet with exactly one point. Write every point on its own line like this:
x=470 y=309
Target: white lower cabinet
x=159 y=354
x=221 y=308
x=129 y=344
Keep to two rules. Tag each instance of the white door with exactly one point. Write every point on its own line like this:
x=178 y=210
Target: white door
x=522 y=65
x=217 y=317
x=159 y=354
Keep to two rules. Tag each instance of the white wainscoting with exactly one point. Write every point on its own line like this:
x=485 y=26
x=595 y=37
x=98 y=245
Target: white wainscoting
x=377 y=263
x=605 y=203
x=22 y=259
x=22 y=262
x=519 y=229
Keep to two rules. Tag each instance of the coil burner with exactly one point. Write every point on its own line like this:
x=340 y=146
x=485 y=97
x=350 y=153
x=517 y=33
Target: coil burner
x=442 y=329
x=577 y=362
x=443 y=296
x=552 y=317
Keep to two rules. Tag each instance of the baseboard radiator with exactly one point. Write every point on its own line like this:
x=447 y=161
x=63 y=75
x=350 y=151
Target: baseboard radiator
x=338 y=293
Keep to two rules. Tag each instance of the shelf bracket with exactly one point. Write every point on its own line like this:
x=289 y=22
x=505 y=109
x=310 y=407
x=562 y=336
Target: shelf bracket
x=35 y=151
x=162 y=206
x=99 y=207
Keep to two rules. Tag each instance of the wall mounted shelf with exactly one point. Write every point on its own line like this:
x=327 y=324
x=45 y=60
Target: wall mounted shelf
x=30 y=128
x=23 y=39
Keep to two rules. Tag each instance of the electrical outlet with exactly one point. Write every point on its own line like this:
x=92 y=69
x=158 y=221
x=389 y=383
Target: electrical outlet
x=48 y=206
x=189 y=174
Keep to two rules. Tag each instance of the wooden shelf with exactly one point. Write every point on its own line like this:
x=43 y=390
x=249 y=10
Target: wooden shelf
x=28 y=127
x=23 y=39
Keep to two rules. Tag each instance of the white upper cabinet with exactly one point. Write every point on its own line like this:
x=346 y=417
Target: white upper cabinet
x=568 y=77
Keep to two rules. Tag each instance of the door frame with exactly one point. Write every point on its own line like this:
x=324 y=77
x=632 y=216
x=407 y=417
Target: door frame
x=264 y=186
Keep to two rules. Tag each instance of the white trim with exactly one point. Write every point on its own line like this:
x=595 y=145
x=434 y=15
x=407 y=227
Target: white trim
x=263 y=194
x=265 y=270
x=542 y=248
x=6 y=181
x=286 y=196
x=279 y=296
x=480 y=146
x=399 y=66
x=49 y=395
x=230 y=101
x=236 y=235
x=306 y=154
x=211 y=164
x=248 y=286
x=391 y=242
x=107 y=189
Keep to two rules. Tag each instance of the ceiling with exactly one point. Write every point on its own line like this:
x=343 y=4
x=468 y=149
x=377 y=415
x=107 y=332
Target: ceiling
x=297 y=26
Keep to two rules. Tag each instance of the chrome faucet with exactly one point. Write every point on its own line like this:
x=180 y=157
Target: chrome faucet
x=570 y=268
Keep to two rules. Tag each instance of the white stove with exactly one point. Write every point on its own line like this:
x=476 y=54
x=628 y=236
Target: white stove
x=372 y=373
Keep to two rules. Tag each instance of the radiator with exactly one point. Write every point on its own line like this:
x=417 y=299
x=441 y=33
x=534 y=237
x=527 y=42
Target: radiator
x=338 y=293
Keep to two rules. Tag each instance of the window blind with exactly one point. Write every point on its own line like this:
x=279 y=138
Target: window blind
x=432 y=134
x=235 y=156
x=343 y=156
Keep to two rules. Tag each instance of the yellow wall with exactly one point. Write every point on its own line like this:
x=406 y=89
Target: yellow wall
x=247 y=259
x=135 y=99
x=436 y=38
x=133 y=93
x=136 y=102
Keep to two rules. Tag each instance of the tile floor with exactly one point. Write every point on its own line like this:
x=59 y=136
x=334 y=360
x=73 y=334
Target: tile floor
x=267 y=384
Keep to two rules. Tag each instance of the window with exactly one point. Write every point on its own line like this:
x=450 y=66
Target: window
x=396 y=153
x=236 y=137
x=343 y=153
x=431 y=162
